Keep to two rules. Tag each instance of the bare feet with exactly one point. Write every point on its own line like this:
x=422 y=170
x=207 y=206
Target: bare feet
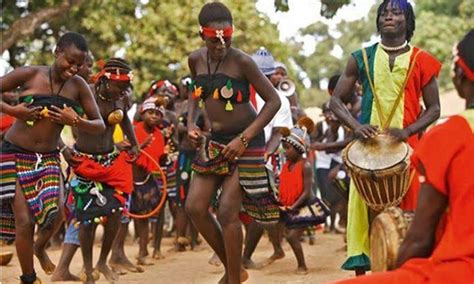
x=122 y=267
x=244 y=275
x=158 y=255
x=214 y=260
x=249 y=264
x=301 y=270
x=64 y=276
x=142 y=260
x=273 y=258
x=46 y=263
x=110 y=275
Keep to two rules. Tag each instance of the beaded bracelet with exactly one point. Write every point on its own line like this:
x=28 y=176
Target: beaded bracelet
x=244 y=140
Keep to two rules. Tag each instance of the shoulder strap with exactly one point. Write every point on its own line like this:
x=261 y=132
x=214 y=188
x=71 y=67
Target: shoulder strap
x=402 y=89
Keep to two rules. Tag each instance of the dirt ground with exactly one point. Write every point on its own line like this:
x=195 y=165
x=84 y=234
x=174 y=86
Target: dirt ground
x=323 y=259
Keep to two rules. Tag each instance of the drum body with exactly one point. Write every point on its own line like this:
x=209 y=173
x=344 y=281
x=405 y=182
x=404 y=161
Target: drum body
x=386 y=235
x=380 y=169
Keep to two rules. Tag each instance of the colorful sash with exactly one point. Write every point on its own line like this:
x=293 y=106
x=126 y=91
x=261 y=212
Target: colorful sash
x=100 y=185
x=39 y=177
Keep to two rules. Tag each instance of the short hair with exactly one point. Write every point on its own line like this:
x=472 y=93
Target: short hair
x=115 y=63
x=214 y=12
x=407 y=9
x=465 y=49
x=72 y=38
x=333 y=82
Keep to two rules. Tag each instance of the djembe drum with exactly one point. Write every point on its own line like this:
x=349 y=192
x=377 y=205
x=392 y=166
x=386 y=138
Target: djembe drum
x=380 y=170
x=387 y=232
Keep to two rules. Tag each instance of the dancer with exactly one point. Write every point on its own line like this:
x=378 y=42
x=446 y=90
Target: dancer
x=165 y=91
x=71 y=237
x=103 y=176
x=234 y=156
x=296 y=195
x=51 y=97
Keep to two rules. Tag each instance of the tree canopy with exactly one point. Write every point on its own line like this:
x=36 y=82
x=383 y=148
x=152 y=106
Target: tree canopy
x=157 y=35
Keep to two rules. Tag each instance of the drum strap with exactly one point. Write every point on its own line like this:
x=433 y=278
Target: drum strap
x=400 y=94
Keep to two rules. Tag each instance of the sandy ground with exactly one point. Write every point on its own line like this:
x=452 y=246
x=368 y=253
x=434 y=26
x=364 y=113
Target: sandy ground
x=323 y=259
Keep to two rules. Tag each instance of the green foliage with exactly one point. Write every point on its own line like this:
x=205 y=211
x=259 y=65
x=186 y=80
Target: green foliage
x=155 y=36
x=439 y=25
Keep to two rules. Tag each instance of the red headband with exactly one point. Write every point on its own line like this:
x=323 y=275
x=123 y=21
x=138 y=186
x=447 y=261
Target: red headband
x=217 y=33
x=467 y=71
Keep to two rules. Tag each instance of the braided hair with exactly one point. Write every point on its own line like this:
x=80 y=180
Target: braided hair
x=407 y=9
x=214 y=12
x=72 y=38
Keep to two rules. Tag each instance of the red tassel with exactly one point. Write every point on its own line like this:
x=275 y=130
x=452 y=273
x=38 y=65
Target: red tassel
x=181 y=192
x=239 y=96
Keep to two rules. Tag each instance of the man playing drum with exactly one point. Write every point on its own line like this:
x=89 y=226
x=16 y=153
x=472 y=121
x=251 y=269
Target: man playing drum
x=437 y=248
x=394 y=75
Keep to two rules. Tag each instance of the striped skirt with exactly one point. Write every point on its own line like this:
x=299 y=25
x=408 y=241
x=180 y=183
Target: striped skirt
x=258 y=201
x=39 y=176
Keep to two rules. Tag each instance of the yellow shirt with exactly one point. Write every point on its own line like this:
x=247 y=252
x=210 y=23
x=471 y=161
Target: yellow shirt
x=388 y=84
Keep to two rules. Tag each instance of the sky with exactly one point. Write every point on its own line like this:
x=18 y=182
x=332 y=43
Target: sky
x=305 y=12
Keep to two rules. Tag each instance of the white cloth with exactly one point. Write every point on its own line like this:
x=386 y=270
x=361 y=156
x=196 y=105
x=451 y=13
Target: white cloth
x=340 y=137
x=281 y=119
x=323 y=159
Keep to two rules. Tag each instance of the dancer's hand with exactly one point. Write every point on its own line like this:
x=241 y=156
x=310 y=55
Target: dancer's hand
x=70 y=158
x=133 y=152
x=194 y=134
x=23 y=112
x=233 y=150
x=65 y=115
x=123 y=145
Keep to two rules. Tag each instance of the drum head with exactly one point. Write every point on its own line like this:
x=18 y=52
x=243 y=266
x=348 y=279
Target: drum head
x=381 y=152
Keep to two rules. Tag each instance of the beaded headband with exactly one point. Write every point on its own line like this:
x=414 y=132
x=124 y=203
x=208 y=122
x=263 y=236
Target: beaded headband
x=163 y=86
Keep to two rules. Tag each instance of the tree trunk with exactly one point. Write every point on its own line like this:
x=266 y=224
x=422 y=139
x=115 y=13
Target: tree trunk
x=24 y=27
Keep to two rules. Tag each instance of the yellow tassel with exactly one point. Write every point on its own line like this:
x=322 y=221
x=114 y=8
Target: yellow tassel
x=216 y=94
x=228 y=106
x=201 y=103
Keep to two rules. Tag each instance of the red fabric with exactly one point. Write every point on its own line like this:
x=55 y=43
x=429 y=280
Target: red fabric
x=6 y=121
x=118 y=175
x=291 y=183
x=211 y=32
x=446 y=152
x=245 y=218
x=253 y=97
x=155 y=149
x=426 y=67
